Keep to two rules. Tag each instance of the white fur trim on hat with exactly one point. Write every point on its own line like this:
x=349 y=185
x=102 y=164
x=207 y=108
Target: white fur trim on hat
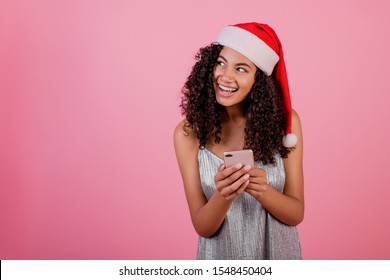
x=290 y=140
x=250 y=46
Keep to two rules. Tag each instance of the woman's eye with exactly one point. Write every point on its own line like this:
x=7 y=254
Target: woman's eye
x=241 y=70
x=220 y=63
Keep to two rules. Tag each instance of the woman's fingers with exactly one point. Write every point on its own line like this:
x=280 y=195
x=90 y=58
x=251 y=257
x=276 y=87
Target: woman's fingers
x=258 y=182
x=224 y=171
x=229 y=175
x=240 y=190
x=258 y=176
x=229 y=189
x=234 y=180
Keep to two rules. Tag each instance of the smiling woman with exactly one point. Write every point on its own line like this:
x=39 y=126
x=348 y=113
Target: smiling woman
x=237 y=98
x=234 y=76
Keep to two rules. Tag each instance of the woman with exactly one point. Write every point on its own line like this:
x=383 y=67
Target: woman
x=235 y=98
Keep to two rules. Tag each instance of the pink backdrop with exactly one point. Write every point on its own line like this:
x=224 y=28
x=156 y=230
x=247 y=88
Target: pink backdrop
x=89 y=95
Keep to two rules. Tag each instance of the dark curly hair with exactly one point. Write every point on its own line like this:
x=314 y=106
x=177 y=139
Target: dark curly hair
x=265 y=119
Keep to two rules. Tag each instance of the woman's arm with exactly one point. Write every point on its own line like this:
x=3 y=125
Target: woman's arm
x=206 y=216
x=288 y=207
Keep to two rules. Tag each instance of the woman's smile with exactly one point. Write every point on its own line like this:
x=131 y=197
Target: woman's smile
x=226 y=91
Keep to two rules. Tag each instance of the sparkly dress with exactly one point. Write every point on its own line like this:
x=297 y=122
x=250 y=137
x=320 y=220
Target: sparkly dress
x=248 y=231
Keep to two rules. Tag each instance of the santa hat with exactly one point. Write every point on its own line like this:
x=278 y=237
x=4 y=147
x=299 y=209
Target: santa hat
x=259 y=43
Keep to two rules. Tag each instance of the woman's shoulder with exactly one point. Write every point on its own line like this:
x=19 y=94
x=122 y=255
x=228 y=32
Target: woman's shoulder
x=184 y=135
x=186 y=146
x=295 y=117
x=296 y=124
x=297 y=151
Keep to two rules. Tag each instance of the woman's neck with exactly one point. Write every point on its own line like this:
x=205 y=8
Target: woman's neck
x=233 y=114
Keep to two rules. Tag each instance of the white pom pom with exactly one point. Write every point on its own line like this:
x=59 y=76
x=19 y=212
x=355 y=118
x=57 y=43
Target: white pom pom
x=290 y=140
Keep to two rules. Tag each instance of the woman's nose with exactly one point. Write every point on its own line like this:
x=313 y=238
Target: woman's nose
x=227 y=76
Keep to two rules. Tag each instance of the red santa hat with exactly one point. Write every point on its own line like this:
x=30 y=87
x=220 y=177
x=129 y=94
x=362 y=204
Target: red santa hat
x=259 y=43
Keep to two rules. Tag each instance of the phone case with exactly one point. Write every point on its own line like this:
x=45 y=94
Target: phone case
x=244 y=156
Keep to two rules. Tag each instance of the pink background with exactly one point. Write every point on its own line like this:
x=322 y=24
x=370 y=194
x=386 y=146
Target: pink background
x=89 y=95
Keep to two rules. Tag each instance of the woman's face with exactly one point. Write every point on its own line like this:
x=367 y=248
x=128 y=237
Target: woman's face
x=234 y=76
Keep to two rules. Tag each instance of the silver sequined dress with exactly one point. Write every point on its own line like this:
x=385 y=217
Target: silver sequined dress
x=249 y=231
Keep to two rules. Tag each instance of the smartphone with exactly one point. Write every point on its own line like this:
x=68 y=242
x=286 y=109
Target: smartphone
x=244 y=156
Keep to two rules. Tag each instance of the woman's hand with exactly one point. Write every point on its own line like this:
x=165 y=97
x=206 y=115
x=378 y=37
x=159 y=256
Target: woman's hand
x=232 y=181
x=258 y=182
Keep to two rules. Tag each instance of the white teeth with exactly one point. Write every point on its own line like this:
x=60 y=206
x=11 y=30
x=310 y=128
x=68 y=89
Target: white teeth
x=227 y=88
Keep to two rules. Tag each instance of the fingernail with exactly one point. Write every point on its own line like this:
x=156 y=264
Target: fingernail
x=246 y=177
x=238 y=165
x=247 y=167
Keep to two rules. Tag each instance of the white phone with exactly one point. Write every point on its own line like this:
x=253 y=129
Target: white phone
x=245 y=157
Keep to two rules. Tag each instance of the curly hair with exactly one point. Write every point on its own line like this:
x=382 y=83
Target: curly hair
x=265 y=119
